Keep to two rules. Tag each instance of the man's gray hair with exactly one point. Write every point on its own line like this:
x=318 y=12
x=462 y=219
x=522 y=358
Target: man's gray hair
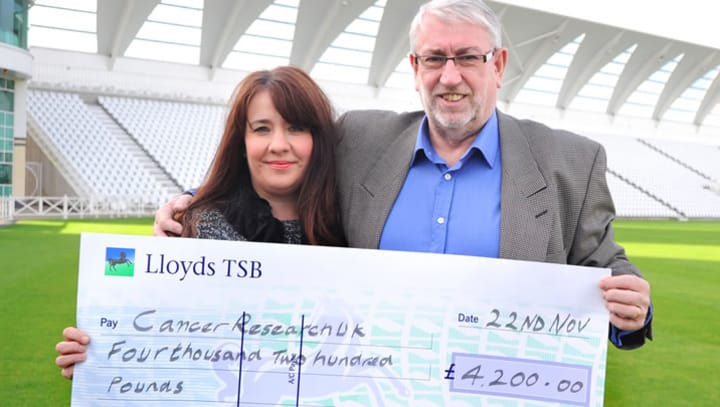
x=466 y=11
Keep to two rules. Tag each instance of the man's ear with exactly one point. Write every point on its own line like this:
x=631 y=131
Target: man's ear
x=414 y=64
x=500 y=61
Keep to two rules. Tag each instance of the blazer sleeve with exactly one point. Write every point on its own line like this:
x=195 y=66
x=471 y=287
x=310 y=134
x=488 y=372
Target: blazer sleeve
x=594 y=243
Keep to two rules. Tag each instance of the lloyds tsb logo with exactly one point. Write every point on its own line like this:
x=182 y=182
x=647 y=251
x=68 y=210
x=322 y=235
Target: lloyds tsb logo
x=119 y=262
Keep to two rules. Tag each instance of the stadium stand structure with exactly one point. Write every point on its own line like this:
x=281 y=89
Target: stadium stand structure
x=123 y=146
x=96 y=155
x=181 y=137
x=669 y=177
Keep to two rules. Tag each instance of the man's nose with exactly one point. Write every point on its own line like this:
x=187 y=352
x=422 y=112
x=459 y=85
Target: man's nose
x=450 y=73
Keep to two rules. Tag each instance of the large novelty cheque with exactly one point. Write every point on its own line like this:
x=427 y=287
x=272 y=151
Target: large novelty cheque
x=190 y=322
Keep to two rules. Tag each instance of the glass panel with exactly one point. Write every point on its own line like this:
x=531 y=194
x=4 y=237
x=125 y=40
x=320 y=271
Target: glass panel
x=169 y=33
x=346 y=57
x=340 y=73
x=268 y=40
x=5 y=173
x=272 y=29
x=590 y=104
x=538 y=83
x=185 y=3
x=7 y=102
x=596 y=91
x=163 y=52
x=266 y=46
x=355 y=41
x=551 y=71
x=535 y=97
x=176 y=15
x=252 y=62
x=56 y=38
x=62 y=18
x=280 y=13
x=20 y=18
x=85 y=5
x=713 y=119
x=402 y=77
x=363 y=27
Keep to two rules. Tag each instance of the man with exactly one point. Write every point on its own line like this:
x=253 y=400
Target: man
x=463 y=178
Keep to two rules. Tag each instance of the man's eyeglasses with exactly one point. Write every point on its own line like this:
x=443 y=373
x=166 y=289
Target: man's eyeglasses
x=465 y=60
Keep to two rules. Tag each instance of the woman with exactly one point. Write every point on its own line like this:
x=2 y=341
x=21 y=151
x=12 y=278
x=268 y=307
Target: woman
x=272 y=179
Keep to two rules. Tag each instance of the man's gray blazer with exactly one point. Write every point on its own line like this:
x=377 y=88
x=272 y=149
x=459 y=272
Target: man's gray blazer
x=555 y=203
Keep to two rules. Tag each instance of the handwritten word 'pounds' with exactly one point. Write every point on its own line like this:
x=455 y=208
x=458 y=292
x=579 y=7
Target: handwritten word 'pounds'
x=117 y=384
x=202 y=267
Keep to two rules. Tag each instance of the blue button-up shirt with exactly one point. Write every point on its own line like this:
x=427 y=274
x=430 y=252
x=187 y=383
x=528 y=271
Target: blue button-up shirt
x=444 y=209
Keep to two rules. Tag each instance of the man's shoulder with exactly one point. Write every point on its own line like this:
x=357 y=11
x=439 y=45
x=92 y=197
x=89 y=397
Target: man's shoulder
x=541 y=134
x=366 y=118
x=376 y=129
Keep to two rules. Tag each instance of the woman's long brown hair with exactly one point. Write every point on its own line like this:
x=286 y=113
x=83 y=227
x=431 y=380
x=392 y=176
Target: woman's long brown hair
x=300 y=101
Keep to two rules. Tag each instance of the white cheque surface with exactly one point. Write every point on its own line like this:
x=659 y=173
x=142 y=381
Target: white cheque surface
x=189 y=322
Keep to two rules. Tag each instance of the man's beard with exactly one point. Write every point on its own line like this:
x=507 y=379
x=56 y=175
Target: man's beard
x=450 y=123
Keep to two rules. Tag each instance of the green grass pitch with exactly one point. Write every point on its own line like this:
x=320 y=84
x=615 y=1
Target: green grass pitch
x=38 y=278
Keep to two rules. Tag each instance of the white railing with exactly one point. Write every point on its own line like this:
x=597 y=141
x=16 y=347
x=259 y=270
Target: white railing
x=14 y=208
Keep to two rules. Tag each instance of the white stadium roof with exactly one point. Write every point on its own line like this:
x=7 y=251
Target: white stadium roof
x=562 y=61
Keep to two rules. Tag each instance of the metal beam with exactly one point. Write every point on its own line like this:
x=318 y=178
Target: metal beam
x=224 y=22
x=392 y=43
x=318 y=24
x=712 y=98
x=696 y=62
x=600 y=46
x=543 y=47
x=118 y=22
x=649 y=56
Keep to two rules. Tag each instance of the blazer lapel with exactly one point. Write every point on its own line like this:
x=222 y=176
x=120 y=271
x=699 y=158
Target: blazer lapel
x=378 y=190
x=525 y=218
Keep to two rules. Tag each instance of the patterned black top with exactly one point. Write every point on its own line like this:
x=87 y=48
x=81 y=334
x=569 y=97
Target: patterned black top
x=213 y=225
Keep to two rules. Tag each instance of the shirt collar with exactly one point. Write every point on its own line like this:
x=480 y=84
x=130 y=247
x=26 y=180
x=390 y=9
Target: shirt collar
x=487 y=143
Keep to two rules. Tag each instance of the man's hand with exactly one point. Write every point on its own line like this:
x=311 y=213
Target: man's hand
x=165 y=224
x=627 y=297
x=72 y=350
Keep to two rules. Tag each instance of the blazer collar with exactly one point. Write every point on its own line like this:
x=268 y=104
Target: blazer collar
x=383 y=183
x=525 y=218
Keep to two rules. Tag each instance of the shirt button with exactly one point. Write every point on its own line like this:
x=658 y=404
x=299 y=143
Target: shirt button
x=448 y=176
x=441 y=220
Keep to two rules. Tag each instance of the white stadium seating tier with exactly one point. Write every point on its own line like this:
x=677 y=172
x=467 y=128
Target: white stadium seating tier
x=88 y=147
x=702 y=157
x=630 y=202
x=182 y=137
x=667 y=179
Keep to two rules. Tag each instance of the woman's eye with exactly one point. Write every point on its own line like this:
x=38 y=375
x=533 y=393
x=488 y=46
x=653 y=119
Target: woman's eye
x=298 y=128
x=261 y=129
